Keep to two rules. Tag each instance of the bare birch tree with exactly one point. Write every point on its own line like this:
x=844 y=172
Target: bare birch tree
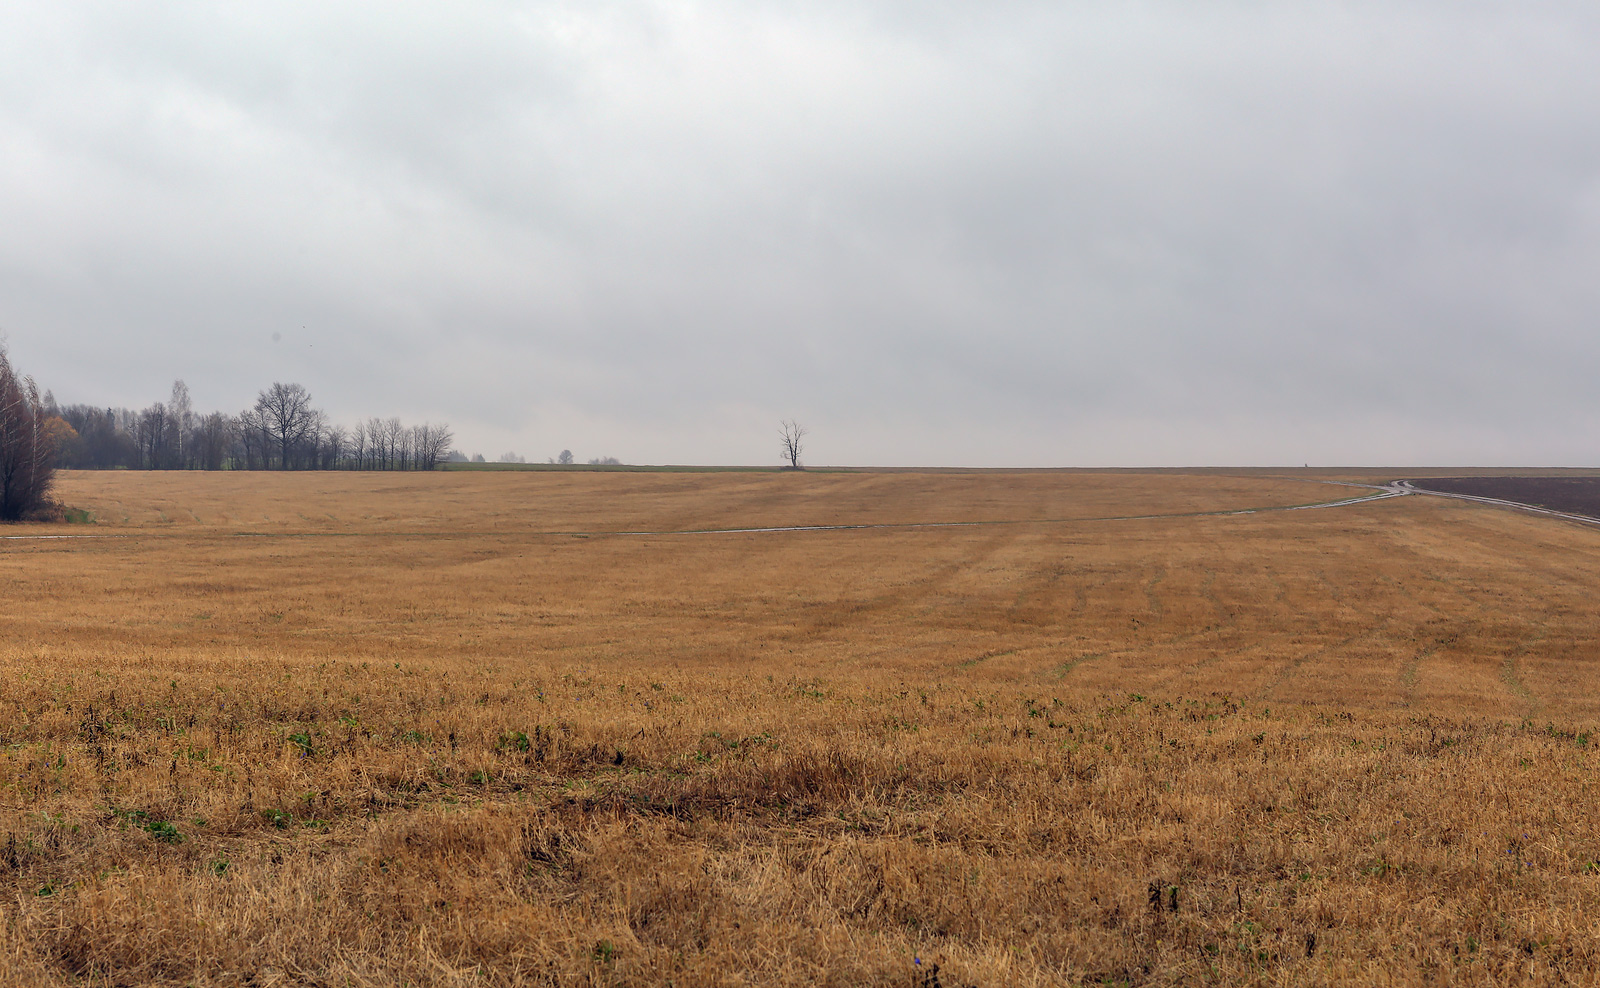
x=27 y=461
x=180 y=422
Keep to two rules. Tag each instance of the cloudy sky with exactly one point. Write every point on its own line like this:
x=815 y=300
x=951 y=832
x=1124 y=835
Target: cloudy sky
x=1007 y=233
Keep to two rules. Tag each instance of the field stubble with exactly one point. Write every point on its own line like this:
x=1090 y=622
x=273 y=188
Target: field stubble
x=441 y=730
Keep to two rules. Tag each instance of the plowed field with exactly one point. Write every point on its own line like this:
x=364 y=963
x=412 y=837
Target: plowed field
x=1577 y=495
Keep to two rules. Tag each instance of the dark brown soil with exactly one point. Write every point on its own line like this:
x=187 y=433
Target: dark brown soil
x=1578 y=495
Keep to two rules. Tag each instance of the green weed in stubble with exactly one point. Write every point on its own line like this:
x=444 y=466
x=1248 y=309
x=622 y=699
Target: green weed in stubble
x=515 y=741
x=164 y=831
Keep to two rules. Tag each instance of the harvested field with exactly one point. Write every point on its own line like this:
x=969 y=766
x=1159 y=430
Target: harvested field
x=1576 y=495
x=443 y=730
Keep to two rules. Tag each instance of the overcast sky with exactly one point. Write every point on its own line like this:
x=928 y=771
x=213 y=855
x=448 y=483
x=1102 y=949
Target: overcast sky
x=1002 y=233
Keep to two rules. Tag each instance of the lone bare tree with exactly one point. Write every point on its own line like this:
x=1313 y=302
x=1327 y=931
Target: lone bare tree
x=792 y=433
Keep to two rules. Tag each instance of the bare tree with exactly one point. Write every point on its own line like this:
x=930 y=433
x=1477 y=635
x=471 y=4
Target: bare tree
x=252 y=440
x=180 y=422
x=792 y=433
x=213 y=436
x=287 y=418
x=308 y=454
x=27 y=461
x=393 y=447
x=431 y=446
x=377 y=450
x=565 y=459
x=358 y=446
x=405 y=443
x=153 y=433
x=335 y=444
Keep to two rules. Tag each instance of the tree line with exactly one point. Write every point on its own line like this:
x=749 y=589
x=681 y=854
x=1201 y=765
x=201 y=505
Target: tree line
x=283 y=430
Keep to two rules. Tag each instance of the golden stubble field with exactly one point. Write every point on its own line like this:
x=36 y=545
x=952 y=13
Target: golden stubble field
x=450 y=729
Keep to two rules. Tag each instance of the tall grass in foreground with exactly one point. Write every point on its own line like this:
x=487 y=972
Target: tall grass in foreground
x=356 y=823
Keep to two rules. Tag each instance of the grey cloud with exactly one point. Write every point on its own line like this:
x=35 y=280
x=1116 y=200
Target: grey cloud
x=1017 y=233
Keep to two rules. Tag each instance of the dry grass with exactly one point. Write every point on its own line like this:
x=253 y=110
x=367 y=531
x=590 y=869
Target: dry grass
x=415 y=730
